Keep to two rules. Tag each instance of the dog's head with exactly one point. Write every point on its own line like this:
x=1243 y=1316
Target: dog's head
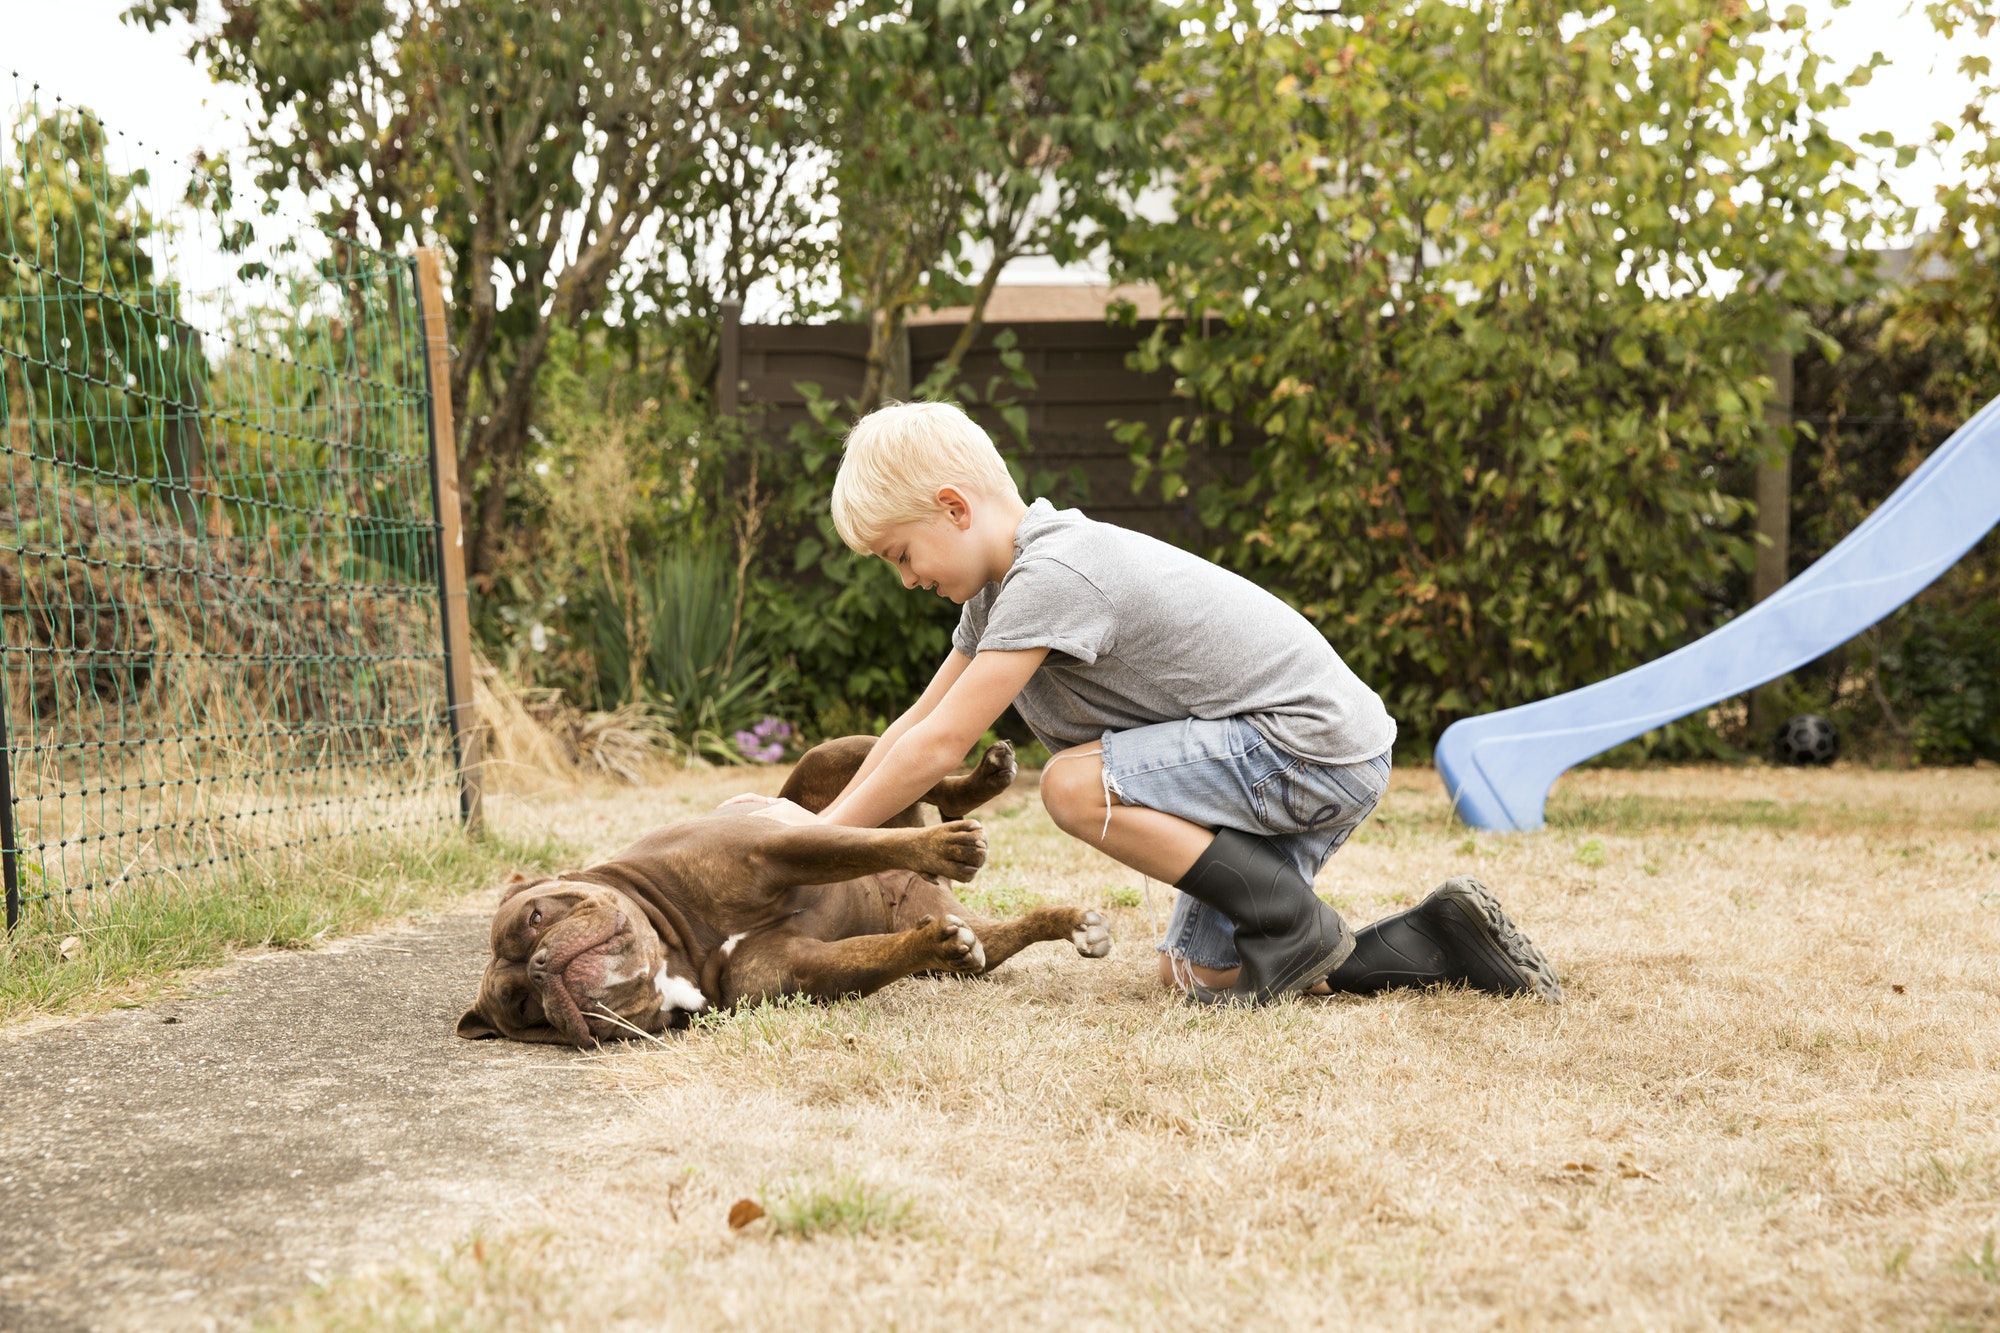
x=576 y=963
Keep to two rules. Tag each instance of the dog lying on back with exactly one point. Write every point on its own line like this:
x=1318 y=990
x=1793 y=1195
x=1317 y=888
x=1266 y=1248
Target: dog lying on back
x=751 y=903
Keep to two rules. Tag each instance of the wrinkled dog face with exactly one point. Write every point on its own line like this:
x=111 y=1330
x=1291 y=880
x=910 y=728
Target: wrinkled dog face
x=565 y=953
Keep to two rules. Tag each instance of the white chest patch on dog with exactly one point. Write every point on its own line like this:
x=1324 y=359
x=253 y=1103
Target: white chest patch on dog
x=679 y=993
x=729 y=945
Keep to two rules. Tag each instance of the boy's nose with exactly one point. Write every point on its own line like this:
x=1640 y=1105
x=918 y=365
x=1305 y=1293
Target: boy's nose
x=909 y=578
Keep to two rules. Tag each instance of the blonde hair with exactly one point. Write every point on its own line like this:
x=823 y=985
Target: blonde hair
x=898 y=456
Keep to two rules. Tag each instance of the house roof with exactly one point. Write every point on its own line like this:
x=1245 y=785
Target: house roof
x=1050 y=303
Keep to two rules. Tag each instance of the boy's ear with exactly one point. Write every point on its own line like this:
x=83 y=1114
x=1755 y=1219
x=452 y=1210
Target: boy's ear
x=956 y=507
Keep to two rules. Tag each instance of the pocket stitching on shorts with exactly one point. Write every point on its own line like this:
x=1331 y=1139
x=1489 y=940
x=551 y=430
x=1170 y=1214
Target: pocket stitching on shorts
x=1289 y=772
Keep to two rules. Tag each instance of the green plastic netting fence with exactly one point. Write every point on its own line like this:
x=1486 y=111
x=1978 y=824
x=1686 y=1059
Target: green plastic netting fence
x=219 y=604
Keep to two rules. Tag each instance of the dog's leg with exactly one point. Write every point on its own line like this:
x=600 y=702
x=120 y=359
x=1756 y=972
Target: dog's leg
x=1002 y=939
x=784 y=963
x=784 y=856
x=825 y=770
x=993 y=774
x=1087 y=930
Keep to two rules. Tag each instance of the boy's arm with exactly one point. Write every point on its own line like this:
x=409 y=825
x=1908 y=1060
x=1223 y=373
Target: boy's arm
x=906 y=764
x=947 y=675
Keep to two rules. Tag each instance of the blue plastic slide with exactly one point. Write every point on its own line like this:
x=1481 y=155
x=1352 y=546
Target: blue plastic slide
x=1499 y=767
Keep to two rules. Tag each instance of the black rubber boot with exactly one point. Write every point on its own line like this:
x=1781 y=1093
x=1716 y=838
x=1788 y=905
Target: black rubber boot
x=1287 y=938
x=1457 y=936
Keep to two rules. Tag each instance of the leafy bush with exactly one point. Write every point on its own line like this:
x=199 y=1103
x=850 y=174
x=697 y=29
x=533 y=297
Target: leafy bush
x=860 y=646
x=1920 y=685
x=1948 y=666
x=1490 y=305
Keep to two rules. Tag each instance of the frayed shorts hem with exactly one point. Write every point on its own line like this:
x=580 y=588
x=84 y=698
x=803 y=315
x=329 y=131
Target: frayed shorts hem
x=1223 y=773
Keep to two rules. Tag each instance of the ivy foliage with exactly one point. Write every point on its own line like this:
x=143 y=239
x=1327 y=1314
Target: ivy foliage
x=1490 y=293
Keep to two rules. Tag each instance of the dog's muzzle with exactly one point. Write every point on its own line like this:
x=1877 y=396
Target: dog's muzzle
x=569 y=964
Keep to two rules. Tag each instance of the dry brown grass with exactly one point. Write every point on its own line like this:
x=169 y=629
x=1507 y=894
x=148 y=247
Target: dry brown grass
x=1771 y=1101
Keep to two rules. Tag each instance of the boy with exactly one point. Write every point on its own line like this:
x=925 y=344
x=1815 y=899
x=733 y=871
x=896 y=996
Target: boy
x=1202 y=732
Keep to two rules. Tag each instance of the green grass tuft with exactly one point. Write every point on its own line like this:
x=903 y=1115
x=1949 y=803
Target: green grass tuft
x=997 y=899
x=1983 y=1265
x=1633 y=813
x=846 y=1207
x=125 y=947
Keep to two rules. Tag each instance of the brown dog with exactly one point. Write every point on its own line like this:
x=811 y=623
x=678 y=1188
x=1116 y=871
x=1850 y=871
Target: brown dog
x=738 y=906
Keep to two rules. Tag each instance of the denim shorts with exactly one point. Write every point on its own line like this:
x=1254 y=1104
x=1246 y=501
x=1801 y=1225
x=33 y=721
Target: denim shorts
x=1224 y=774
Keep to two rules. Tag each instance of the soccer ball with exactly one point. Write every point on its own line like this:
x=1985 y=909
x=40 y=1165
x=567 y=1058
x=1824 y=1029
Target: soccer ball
x=1808 y=739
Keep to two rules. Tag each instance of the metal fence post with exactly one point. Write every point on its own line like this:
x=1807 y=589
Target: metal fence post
x=452 y=606
x=10 y=855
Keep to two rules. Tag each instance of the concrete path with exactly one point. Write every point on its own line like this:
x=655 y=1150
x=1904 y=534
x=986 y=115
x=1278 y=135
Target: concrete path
x=280 y=1121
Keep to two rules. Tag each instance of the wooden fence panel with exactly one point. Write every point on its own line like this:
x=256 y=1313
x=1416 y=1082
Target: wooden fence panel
x=1082 y=386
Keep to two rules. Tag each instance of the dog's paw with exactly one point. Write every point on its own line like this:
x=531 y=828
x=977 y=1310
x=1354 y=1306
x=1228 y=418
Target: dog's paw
x=992 y=775
x=955 y=850
x=958 y=948
x=997 y=768
x=1092 y=936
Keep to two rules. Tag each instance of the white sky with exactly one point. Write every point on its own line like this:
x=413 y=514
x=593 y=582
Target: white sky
x=140 y=84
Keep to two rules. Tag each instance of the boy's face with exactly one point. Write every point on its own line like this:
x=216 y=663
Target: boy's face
x=940 y=553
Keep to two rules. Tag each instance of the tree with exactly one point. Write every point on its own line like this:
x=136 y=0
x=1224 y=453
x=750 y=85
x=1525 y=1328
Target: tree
x=1955 y=294
x=965 y=134
x=542 y=145
x=1488 y=292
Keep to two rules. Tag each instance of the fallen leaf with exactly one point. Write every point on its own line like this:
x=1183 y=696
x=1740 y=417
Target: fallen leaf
x=70 y=947
x=743 y=1212
x=852 y=1039
x=1898 y=987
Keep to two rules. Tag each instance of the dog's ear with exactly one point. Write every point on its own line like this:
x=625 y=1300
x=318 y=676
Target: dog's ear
x=518 y=883
x=472 y=1026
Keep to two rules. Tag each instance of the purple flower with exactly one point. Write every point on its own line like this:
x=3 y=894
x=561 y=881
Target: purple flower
x=765 y=742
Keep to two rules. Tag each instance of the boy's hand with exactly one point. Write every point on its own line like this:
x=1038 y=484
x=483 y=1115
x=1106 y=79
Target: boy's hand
x=935 y=746
x=786 y=812
x=772 y=807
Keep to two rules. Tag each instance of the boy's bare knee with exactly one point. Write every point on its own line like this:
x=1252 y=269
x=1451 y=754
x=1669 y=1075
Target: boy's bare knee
x=1073 y=794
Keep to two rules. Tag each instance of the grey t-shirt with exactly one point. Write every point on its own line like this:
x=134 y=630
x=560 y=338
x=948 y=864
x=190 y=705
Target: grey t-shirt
x=1140 y=632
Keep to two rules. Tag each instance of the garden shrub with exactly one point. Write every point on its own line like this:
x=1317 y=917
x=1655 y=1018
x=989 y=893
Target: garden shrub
x=1489 y=294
